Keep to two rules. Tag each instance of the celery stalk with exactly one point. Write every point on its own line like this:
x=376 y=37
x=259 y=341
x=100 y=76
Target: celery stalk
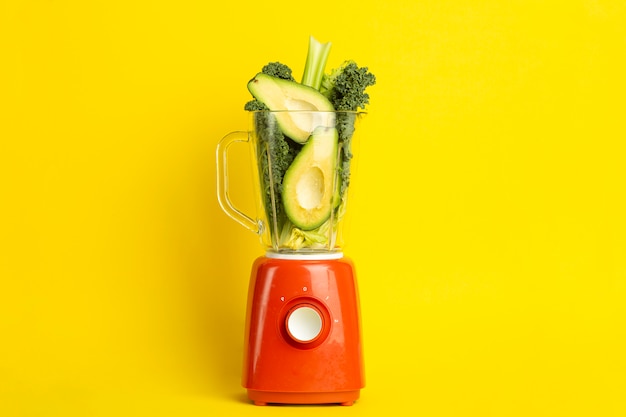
x=315 y=63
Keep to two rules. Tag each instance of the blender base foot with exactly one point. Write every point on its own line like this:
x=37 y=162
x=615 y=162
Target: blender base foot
x=344 y=398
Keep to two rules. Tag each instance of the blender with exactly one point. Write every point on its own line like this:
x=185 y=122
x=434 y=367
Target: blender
x=302 y=342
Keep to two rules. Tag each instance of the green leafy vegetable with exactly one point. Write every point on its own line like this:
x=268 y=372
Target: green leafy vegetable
x=345 y=86
x=278 y=70
x=255 y=105
x=273 y=146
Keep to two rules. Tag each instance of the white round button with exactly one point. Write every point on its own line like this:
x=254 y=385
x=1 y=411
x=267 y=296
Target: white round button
x=304 y=324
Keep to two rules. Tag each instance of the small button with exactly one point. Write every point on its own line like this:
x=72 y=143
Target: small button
x=304 y=323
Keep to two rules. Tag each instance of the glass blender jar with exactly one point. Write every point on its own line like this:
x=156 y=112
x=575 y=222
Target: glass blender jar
x=303 y=338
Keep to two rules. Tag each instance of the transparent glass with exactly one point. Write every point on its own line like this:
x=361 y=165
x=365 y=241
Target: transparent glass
x=302 y=189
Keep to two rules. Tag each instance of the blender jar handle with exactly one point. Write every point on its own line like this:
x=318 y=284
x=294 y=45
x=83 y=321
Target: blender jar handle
x=222 y=181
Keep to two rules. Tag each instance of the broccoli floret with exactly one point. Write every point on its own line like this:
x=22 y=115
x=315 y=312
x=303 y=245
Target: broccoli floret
x=278 y=70
x=345 y=86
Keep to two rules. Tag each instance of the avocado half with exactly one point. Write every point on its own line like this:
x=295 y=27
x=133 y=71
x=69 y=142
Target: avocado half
x=308 y=185
x=279 y=94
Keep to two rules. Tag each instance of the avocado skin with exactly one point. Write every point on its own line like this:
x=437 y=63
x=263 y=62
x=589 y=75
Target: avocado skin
x=315 y=163
x=280 y=95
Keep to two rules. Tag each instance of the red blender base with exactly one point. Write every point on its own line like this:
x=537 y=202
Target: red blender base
x=303 y=338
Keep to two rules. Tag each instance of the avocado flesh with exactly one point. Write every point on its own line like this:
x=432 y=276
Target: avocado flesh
x=308 y=185
x=278 y=94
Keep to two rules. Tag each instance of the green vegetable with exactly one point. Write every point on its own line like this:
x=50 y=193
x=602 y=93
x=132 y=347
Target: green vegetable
x=278 y=70
x=255 y=105
x=345 y=86
x=284 y=153
x=315 y=63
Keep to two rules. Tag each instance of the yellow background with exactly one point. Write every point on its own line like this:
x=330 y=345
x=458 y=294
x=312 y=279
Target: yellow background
x=489 y=228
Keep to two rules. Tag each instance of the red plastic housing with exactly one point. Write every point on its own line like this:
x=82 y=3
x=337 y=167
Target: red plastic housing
x=325 y=367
